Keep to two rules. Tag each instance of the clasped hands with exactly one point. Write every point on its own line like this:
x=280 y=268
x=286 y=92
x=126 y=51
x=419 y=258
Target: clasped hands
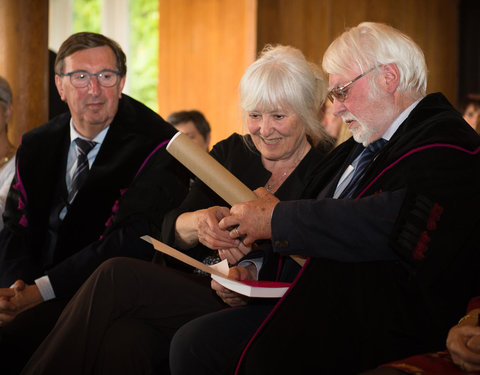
x=232 y=232
x=16 y=299
x=250 y=222
x=463 y=343
x=252 y=219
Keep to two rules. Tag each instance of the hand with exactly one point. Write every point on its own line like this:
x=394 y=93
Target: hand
x=202 y=226
x=231 y=298
x=463 y=343
x=209 y=233
x=7 y=308
x=252 y=219
x=20 y=297
x=234 y=254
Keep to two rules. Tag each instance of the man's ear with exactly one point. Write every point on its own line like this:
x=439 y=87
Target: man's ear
x=121 y=84
x=390 y=77
x=58 y=83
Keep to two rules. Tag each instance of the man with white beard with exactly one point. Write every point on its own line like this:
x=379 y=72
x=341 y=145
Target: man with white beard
x=392 y=261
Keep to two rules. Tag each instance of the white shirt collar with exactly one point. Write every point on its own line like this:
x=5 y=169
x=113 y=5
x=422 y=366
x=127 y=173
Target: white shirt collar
x=399 y=120
x=98 y=139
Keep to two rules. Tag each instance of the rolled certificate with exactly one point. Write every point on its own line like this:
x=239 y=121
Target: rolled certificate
x=210 y=171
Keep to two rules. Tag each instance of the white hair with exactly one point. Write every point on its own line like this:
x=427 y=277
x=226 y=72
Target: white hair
x=371 y=45
x=282 y=77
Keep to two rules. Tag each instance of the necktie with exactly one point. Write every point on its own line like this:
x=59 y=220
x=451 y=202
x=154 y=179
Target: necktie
x=81 y=172
x=364 y=160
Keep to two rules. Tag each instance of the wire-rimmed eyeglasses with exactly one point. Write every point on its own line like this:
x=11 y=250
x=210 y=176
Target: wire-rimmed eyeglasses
x=340 y=93
x=82 y=78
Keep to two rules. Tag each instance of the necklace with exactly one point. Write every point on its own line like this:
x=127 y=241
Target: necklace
x=270 y=186
x=274 y=183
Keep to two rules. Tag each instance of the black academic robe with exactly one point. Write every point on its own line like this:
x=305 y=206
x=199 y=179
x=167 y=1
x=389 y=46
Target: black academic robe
x=132 y=180
x=391 y=270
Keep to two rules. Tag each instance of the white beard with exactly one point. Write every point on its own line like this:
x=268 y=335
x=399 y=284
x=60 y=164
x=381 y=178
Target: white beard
x=362 y=133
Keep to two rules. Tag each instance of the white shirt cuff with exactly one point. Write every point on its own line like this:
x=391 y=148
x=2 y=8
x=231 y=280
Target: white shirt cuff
x=45 y=288
x=257 y=262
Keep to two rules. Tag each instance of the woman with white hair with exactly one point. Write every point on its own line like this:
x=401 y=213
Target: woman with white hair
x=123 y=317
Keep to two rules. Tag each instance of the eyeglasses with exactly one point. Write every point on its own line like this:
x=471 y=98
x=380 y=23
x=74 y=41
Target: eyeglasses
x=81 y=78
x=340 y=93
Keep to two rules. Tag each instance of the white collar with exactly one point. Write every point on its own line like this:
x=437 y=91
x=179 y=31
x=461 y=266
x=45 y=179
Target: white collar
x=399 y=120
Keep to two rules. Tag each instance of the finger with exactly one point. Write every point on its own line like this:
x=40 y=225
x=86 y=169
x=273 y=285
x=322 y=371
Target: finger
x=225 y=254
x=244 y=249
x=248 y=240
x=229 y=257
x=474 y=344
x=215 y=244
x=262 y=192
x=237 y=234
x=19 y=285
x=7 y=292
x=217 y=287
x=221 y=212
x=235 y=273
x=233 y=255
x=6 y=306
x=214 y=231
x=228 y=222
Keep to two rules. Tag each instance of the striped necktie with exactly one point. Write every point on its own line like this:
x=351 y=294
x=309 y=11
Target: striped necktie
x=81 y=172
x=364 y=160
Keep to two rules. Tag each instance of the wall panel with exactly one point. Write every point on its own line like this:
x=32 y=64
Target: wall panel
x=24 y=62
x=312 y=24
x=204 y=48
x=205 y=45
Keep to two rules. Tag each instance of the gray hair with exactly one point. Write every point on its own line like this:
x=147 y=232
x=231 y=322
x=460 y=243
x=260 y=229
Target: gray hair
x=5 y=91
x=85 y=40
x=281 y=76
x=373 y=44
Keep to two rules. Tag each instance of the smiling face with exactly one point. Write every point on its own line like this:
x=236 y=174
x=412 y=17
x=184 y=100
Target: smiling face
x=367 y=112
x=92 y=107
x=278 y=134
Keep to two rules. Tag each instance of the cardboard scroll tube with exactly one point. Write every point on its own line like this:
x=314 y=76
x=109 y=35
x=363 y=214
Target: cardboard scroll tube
x=212 y=173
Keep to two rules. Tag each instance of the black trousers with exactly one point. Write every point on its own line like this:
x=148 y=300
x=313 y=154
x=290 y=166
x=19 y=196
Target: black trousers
x=212 y=344
x=122 y=319
x=21 y=337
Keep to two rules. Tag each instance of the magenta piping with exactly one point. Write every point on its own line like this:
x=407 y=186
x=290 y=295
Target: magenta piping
x=149 y=156
x=270 y=314
x=275 y=308
x=413 y=152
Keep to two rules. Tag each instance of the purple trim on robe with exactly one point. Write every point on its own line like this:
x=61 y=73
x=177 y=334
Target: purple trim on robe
x=270 y=314
x=275 y=308
x=415 y=150
x=123 y=191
